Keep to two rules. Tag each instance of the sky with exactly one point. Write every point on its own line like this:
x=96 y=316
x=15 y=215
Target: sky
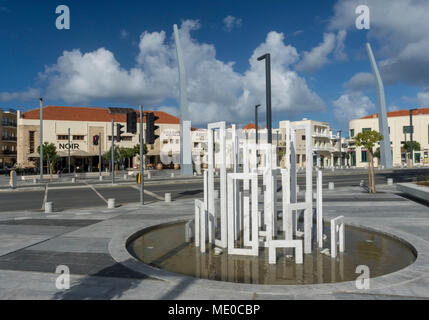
x=122 y=53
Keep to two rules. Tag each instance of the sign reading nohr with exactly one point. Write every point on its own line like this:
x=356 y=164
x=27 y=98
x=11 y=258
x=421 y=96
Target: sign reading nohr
x=71 y=146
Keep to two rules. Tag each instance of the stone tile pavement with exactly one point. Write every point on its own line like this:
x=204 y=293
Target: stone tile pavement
x=33 y=244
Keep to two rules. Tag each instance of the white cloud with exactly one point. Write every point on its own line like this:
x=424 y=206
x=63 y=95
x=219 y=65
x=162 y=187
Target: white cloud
x=318 y=56
x=400 y=28
x=339 y=53
x=170 y=110
x=423 y=98
x=215 y=91
x=394 y=108
x=230 y=22
x=360 y=81
x=352 y=106
x=29 y=94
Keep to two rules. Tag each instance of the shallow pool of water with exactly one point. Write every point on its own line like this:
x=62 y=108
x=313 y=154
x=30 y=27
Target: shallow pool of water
x=165 y=248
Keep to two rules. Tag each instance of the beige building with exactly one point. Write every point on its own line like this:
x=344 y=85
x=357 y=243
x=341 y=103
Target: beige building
x=7 y=138
x=397 y=120
x=326 y=145
x=84 y=124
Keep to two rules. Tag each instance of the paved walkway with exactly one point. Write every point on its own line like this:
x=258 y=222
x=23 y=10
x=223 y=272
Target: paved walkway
x=32 y=245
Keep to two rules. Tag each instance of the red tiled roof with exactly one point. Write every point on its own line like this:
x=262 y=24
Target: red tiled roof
x=250 y=126
x=90 y=114
x=400 y=113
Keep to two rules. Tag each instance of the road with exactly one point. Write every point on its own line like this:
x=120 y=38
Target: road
x=87 y=195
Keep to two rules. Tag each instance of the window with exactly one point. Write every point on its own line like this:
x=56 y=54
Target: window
x=62 y=137
x=352 y=133
x=165 y=141
x=364 y=156
x=31 y=141
x=78 y=137
x=303 y=138
x=126 y=138
x=366 y=129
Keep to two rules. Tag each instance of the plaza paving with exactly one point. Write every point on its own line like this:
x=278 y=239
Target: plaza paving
x=91 y=243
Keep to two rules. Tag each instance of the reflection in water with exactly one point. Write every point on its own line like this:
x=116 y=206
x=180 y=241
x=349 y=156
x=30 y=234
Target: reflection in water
x=165 y=248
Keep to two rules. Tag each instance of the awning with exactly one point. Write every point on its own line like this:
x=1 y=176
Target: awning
x=63 y=154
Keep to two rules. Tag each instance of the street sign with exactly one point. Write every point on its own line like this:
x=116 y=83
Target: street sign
x=408 y=129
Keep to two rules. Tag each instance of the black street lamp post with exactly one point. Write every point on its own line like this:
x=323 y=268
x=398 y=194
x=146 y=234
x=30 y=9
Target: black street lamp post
x=267 y=59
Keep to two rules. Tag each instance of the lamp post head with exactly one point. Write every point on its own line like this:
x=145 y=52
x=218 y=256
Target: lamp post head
x=263 y=56
x=257 y=106
x=41 y=99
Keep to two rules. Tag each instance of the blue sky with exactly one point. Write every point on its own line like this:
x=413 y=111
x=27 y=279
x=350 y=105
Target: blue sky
x=320 y=66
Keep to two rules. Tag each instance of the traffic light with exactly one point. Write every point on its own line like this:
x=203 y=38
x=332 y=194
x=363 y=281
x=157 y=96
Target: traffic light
x=151 y=128
x=95 y=140
x=119 y=132
x=131 y=122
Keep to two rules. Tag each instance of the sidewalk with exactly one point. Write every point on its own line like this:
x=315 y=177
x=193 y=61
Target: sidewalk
x=32 y=245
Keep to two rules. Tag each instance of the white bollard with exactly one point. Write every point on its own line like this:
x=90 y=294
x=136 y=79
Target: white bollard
x=111 y=203
x=362 y=183
x=73 y=180
x=390 y=181
x=125 y=176
x=149 y=175
x=100 y=178
x=49 y=207
x=331 y=186
x=34 y=181
x=216 y=194
x=172 y=175
x=195 y=174
x=168 y=197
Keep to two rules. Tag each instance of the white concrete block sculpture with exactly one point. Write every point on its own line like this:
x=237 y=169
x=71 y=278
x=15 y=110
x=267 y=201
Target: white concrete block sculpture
x=237 y=221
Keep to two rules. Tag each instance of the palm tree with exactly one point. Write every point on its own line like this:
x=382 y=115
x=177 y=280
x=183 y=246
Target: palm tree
x=368 y=139
x=50 y=154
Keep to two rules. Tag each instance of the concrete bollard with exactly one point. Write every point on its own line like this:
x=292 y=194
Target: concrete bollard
x=216 y=194
x=125 y=176
x=168 y=197
x=34 y=181
x=195 y=174
x=389 y=181
x=333 y=169
x=73 y=180
x=100 y=178
x=111 y=203
x=49 y=207
x=172 y=175
x=149 y=175
x=362 y=183
x=331 y=186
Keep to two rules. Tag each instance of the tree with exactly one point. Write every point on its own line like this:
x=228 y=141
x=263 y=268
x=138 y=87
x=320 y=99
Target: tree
x=377 y=153
x=416 y=147
x=50 y=154
x=108 y=155
x=368 y=139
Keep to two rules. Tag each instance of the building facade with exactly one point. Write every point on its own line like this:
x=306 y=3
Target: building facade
x=328 y=149
x=84 y=124
x=8 y=138
x=398 y=122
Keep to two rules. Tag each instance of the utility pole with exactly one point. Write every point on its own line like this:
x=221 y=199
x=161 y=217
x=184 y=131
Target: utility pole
x=411 y=137
x=113 y=153
x=267 y=59
x=41 y=139
x=99 y=154
x=141 y=157
x=256 y=122
x=69 y=150
x=341 y=146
